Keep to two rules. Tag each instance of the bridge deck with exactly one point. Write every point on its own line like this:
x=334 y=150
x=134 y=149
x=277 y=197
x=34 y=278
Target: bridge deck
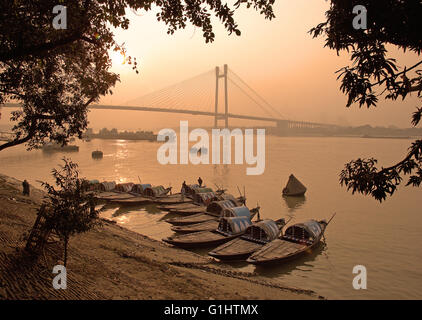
x=197 y=112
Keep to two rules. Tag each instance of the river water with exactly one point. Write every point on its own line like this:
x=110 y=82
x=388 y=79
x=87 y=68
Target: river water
x=385 y=238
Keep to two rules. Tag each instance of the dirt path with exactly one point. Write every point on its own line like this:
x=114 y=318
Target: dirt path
x=114 y=263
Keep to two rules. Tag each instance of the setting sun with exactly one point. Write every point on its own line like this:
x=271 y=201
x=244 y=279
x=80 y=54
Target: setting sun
x=117 y=58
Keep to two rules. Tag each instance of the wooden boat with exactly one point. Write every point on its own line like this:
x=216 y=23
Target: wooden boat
x=212 y=212
x=254 y=238
x=196 y=227
x=168 y=207
x=213 y=223
x=97 y=154
x=132 y=201
x=228 y=229
x=110 y=196
x=294 y=187
x=297 y=240
x=186 y=211
x=172 y=200
x=139 y=188
x=207 y=200
x=157 y=192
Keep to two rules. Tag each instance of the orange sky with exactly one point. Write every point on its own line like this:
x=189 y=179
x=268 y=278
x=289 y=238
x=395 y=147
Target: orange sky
x=278 y=58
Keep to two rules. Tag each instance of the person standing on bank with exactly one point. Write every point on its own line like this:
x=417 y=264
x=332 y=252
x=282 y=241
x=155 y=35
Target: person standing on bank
x=25 y=186
x=200 y=182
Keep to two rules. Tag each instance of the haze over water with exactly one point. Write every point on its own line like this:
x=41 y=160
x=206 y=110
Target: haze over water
x=383 y=237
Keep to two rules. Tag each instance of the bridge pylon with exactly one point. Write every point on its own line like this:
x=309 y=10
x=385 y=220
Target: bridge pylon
x=226 y=99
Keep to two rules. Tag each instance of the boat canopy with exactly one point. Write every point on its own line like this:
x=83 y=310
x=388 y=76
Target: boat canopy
x=190 y=188
x=94 y=181
x=202 y=190
x=234 y=225
x=219 y=206
x=294 y=187
x=205 y=198
x=140 y=188
x=266 y=230
x=155 y=191
x=237 y=212
x=308 y=231
x=228 y=196
x=125 y=187
x=108 y=186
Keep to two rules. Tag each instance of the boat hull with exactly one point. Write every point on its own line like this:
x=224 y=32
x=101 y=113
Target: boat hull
x=196 y=227
x=282 y=259
x=237 y=249
x=189 y=211
x=192 y=219
x=172 y=200
x=132 y=201
x=201 y=239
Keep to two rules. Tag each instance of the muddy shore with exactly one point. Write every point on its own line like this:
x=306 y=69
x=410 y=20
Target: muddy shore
x=111 y=262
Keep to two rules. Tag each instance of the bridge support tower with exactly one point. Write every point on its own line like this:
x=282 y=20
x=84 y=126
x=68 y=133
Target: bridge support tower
x=224 y=117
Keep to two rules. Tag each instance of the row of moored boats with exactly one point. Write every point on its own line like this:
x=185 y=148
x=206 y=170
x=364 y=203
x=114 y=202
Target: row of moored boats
x=204 y=218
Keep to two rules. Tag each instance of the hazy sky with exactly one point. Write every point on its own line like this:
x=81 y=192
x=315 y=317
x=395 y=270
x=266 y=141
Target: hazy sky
x=278 y=58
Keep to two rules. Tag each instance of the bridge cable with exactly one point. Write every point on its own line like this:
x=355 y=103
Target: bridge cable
x=256 y=93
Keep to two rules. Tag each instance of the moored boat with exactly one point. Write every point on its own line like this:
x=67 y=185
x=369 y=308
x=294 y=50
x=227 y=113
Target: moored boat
x=110 y=196
x=97 y=154
x=254 y=238
x=132 y=201
x=228 y=229
x=212 y=212
x=297 y=240
x=178 y=206
x=157 y=192
x=213 y=223
x=170 y=200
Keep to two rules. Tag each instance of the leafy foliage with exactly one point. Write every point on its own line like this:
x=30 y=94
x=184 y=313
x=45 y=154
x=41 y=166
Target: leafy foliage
x=72 y=209
x=56 y=74
x=373 y=74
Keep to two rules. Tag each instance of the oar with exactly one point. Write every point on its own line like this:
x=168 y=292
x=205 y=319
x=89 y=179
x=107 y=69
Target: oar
x=240 y=193
x=258 y=213
x=327 y=225
x=331 y=218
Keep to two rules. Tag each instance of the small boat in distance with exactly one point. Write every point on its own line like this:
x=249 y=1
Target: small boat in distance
x=294 y=187
x=97 y=154
x=298 y=239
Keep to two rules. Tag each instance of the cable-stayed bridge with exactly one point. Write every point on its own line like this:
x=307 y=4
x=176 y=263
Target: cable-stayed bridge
x=217 y=93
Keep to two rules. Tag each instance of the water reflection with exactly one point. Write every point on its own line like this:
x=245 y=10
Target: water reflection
x=121 y=210
x=294 y=203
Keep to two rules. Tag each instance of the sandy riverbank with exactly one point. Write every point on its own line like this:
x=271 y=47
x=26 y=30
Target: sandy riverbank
x=112 y=262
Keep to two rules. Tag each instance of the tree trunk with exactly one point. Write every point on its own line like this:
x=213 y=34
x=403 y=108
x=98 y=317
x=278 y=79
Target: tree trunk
x=66 y=242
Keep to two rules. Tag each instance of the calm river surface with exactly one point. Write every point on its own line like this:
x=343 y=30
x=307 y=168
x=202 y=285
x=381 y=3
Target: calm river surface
x=386 y=238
